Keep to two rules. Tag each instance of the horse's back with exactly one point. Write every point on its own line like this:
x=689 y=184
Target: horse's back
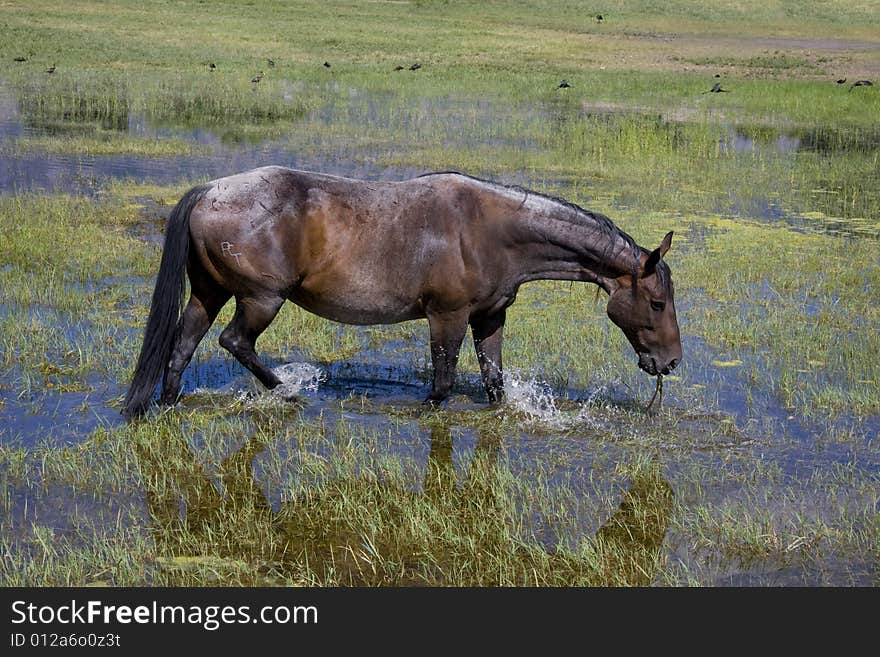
x=236 y=228
x=351 y=250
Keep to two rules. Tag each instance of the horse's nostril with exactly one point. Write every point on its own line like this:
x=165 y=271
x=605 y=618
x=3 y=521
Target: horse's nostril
x=673 y=363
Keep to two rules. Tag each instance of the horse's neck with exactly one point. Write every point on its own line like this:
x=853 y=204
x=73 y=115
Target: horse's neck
x=565 y=244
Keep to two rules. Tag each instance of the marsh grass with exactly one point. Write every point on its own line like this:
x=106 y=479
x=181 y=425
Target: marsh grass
x=275 y=497
x=637 y=139
x=99 y=142
x=761 y=466
x=630 y=62
x=68 y=286
x=780 y=528
x=254 y=497
x=645 y=162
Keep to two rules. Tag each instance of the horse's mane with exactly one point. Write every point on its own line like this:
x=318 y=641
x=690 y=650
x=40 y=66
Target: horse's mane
x=602 y=223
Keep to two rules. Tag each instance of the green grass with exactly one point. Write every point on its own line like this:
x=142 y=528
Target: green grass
x=512 y=53
x=105 y=143
x=272 y=498
x=773 y=62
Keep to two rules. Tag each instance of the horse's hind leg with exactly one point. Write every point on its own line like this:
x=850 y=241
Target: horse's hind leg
x=252 y=316
x=199 y=314
x=487 y=333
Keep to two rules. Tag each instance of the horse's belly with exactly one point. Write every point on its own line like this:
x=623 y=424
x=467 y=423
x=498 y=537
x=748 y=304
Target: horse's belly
x=356 y=308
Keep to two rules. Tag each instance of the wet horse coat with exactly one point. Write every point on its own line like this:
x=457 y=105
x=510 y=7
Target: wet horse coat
x=446 y=247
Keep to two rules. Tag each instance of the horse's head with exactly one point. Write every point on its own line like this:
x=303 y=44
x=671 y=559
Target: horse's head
x=642 y=305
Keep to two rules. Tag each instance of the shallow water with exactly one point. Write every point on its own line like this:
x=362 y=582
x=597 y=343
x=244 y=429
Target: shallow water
x=454 y=123
x=225 y=154
x=52 y=417
x=560 y=429
x=78 y=174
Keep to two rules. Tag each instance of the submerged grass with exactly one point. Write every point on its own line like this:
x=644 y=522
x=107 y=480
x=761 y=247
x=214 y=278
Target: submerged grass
x=771 y=190
x=253 y=497
x=273 y=497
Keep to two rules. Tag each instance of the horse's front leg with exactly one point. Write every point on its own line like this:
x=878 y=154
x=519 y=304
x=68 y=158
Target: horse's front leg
x=487 y=332
x=447 y=332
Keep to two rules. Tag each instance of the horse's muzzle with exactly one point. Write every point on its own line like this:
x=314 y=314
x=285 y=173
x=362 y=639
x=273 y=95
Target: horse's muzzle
x=649 y=364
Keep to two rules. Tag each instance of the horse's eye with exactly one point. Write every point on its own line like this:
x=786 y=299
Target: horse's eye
x=658 y=306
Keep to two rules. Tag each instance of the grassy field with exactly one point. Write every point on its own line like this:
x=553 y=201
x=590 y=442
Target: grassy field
x=762 y=467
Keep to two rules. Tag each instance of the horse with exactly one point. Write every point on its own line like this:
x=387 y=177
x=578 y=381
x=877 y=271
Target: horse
x=444 y=246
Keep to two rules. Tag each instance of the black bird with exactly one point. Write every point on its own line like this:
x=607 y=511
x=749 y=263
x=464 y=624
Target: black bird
x=841 y=81
x=257 y=77
x=718 y=75
x=271 y=63
x=326 y=64
x=861 y=83
x=398 y=68
x=564 y=85
x=51 y=69
x=599 y=18
x=20 y=59
x=212 y=66
x=415 y=67
x=716 y=89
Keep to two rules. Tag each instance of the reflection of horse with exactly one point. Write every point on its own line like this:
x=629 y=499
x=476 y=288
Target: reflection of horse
x=319 y=530
x=446 y=247
x=630 y=541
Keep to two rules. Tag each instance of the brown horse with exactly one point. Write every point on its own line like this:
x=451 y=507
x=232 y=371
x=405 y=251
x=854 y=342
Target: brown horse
x=444 y=246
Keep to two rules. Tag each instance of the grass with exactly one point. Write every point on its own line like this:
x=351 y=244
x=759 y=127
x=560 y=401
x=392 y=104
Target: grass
x=513 y=54
x=805 y=326
x=761 y=467
x=774 y=62
x=101 y=142
x=276 y=499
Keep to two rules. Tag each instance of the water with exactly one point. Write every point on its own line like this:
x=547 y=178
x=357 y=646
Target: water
x=23 y=170
x=297 y=379
x=573 y=436
x=452 y=123
x=55 y=417
x=77 y=174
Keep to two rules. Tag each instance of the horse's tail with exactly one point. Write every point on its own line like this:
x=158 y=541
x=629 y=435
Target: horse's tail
x=165 y=308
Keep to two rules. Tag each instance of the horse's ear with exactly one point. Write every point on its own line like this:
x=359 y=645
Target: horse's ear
x=657 y=254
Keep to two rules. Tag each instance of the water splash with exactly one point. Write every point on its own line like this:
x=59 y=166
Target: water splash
x=531 y=397
x=296 y=378
x=535 y=400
